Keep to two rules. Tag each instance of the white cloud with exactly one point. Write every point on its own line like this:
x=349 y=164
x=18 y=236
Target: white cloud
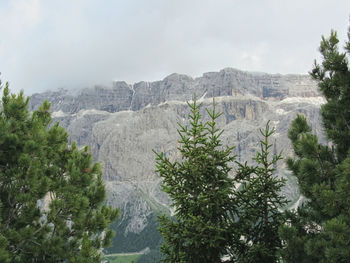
x=17 y=20
x=20 y=16
x=50 y=44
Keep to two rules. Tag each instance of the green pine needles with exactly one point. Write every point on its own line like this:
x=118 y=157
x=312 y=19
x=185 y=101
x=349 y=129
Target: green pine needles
x=200 y=188
x=51 y=194
x=213 y=219
x=260 y=202
x=319 y=231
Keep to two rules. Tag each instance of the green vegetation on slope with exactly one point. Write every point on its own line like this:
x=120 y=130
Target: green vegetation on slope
x=131 y=242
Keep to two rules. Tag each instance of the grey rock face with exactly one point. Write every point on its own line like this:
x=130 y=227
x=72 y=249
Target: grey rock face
x=109 y=99
x=123 y=123
x=228 y=82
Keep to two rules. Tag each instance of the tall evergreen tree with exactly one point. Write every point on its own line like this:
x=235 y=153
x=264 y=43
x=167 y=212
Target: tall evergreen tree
x=202 y=193
x=260 y=203
x=212 y=217
x=51 y=194
x=319 y=231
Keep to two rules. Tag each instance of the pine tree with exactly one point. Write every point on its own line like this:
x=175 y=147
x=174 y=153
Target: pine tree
x=51 y=194
x=199 y=185
x=260 y=203
x=319 y=231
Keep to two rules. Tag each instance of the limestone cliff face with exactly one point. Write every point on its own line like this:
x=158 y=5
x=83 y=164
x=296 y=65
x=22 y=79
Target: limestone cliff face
x=123 y=123
x=228 y=82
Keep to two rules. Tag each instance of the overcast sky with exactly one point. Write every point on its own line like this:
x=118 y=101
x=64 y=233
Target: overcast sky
x=49 y=44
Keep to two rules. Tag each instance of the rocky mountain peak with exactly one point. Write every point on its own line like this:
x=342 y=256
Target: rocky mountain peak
x=124 y=122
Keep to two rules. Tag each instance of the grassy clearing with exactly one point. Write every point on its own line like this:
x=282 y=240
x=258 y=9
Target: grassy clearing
x=122 y=259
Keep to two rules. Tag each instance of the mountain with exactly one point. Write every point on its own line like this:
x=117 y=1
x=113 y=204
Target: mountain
x=124 y=122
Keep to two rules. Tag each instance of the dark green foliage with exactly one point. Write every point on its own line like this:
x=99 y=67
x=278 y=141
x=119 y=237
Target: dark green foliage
x=51 y=194
x=319 y=231
x=333 y=76
x=202 y=194
x=4 y=253
x=260 y=201
x=212 y=218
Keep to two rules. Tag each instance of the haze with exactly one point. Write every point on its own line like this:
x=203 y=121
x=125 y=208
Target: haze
x=45 y=45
